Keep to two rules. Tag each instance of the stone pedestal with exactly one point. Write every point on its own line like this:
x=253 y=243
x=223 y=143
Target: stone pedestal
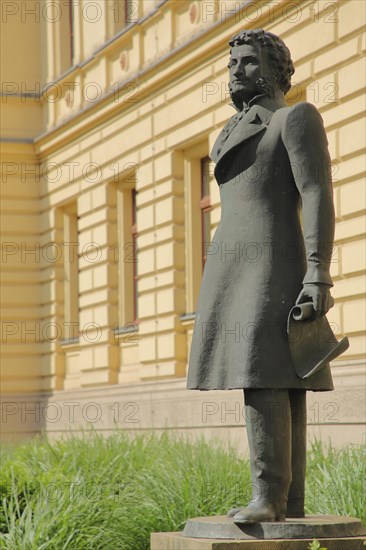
x=312 y=527
x=177 y=541
x=220 y=533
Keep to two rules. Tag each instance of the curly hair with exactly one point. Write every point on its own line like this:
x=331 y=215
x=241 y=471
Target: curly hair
x=279 y=57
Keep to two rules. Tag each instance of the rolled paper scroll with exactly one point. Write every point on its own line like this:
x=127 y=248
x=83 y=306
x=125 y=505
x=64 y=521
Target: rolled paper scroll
x=306 y=311
x=301 y=312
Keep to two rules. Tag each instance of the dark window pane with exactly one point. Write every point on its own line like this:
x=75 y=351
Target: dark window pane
x=134 y=251
x=205 y=176
x=206 y=234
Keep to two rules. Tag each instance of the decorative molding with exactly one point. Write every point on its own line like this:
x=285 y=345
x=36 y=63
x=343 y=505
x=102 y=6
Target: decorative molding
x=123 y=61
x=187 y=317
x=128 y=329
x=194 y=13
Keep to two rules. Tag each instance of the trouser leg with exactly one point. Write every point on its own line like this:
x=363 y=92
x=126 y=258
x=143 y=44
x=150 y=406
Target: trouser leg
x=296 y=495
x=269 y=437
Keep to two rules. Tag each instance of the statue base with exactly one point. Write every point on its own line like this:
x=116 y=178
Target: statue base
x=222 y=527
x=220 y=533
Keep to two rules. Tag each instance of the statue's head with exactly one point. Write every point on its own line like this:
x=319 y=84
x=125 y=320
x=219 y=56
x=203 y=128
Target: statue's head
x=260 y=63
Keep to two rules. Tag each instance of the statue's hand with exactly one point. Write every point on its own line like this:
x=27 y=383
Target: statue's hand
x=319 y=294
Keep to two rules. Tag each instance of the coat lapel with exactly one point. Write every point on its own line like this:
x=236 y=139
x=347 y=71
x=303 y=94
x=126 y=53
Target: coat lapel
x=250 y=125
x=255 y=121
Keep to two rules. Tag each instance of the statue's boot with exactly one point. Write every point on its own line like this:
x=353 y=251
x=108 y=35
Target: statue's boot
x=296 y=494
x=231 y=513
x=269 y=437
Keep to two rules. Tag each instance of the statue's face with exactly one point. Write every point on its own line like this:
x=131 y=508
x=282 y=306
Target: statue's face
x=246 y=66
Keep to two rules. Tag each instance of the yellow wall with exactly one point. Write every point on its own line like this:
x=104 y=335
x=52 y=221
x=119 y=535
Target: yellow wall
x=140 y=110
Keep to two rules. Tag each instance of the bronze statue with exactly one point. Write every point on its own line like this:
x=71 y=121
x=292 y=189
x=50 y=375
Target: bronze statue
x=272 y=163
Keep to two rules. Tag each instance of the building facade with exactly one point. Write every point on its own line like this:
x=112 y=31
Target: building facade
x=109 y=111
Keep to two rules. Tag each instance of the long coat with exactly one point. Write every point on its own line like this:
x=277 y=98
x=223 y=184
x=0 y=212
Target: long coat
x=272 y=165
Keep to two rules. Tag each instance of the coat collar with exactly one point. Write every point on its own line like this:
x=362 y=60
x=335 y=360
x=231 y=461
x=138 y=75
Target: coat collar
x=254 y=121
x=254 y=100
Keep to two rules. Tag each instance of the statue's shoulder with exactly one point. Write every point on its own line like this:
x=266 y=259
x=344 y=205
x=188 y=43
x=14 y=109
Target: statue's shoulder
x=302 y=121
x=300 y=110
x=302 y=115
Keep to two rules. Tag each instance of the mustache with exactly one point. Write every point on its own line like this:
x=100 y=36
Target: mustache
x=243 y=81
x=263 y=85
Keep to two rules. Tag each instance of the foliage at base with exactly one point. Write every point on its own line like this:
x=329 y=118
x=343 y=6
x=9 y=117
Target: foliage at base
x=91 y=492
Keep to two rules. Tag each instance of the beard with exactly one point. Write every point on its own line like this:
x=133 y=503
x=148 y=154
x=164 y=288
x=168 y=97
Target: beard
x=264 y=85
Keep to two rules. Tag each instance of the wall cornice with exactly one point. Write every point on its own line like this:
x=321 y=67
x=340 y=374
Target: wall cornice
x=201 y=46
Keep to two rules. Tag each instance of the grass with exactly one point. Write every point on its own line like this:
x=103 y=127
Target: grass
x=336 y=481
x=93 y=492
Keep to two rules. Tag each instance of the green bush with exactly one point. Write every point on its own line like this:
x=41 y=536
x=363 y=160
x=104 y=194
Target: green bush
x=336 y=480
x=95 y=492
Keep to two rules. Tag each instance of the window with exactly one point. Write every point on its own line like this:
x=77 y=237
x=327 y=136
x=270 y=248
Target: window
x=71 y=273
x=205 y=206
x=64 y=35
x=127 y=251
x=196 y=173
x=71 y=30
x=121 y=14
x=134 y=254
